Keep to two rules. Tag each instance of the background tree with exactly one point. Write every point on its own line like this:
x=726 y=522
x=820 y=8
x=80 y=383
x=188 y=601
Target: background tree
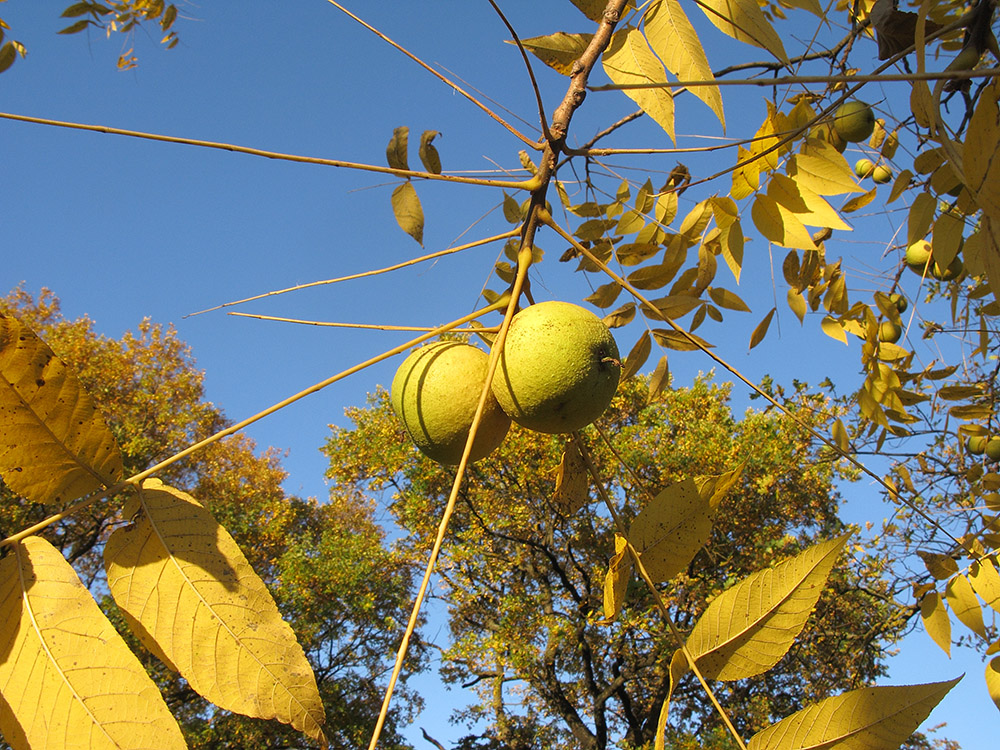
x=327 y=564
x=523 y=573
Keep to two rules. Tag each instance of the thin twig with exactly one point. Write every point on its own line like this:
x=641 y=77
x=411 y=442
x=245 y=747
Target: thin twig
x=351 y=277
x=366 y=326
x=436 y=74
x=522 y=185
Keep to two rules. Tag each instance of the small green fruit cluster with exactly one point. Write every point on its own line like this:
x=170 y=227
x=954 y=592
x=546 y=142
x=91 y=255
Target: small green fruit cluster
x=557 y=372
x=880 y=173
x=889 y=332
x=980 y=444
x=921 y=251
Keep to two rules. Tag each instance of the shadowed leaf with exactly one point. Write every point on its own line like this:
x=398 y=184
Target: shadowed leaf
x=55 y=446
x=396 y=151
x=408 y=211
x=671 y=529
x=572 y=483
x=429 y=156
x=67 y=679
x=560 y=50
x=191 y=597
x=628 y=59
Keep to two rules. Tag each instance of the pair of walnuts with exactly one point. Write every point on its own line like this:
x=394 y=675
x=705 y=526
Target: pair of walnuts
x=557 y=372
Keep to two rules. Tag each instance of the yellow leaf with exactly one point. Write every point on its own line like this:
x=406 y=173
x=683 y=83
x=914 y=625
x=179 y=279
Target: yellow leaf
x=679 y=341
x=571 y=491
x=56 y=446
x=660 y=379
x=408 y=211
x=821 y=168
x=946 y=238
x=748 y=628
x=396 y=151
x=922 y=104
x=616 y=580
x=744 y=21
x=559 y=51
x=993 y=680
x=797 y=303
x=859 y=201
x=761 y=330
x=678 y=668
x=875 y=718
x=832 y=328
x=428 y=152
x=779 y=225
x=809 y=207
x=936 y=621
x=68 y=679
x=963 y=602
x=673 y=307
x=986 y=581
x=899 y=185
x=715 y=487
x=191 y=597
x=674 y=40
x=592 y=9
x=671 y=529
x=628 y=59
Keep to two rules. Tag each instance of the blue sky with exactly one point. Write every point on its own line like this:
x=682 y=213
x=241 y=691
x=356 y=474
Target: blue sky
x=121 y=228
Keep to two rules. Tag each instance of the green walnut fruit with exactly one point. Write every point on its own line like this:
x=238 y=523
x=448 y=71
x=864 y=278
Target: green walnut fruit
x=854 y=121
x=864 y=167
x=558 y=369
x=881 y=174
x=889 y=332
x=952 y=271
x=899 y=301
x=435 y=393
x=917 y=255
x=976 y=445
x=993 y=449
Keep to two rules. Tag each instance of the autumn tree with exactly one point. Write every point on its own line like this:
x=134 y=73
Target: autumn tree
x=523 y=571
x=327 y=562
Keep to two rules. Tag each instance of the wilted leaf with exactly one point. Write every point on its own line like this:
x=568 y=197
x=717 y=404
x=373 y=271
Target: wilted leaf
x=935 y=619
x=628 y=59
x=744 y=21
x=671 y=529
x=408 y=211
x=192 y=598
x=68 y=680
x=875 y=718
x=56 y=446
x=963 y=602
x=572 y=482
x=674 y=40
x=560 y=50
x=748 y=628
x=396 y=151
x=429 y=156
x=616 y=579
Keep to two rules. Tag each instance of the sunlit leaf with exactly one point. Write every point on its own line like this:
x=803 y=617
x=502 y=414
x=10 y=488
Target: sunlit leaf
x=616 y=579
x=935 y=619
x=592 y=9
x=779 y=225
x=982 y=174
x=408 y=211
x=822 y=169
x=67 y=679
x=963 y=602
x=671 y=529
x=985 y=580
x=560 y=50
x=875 y=718
x=859 y=201
x=744 y=21
x=675 y=41
x=940 y=566
x=809 y=207
x=727 y=299
x=748 y=628
x=832 y=328
x=572 y=481
x=629 y=60
x=993 y=680
x=192 y=598
x=680 y=342
x=797 y=304
x=56 y=446
x=660 y=379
